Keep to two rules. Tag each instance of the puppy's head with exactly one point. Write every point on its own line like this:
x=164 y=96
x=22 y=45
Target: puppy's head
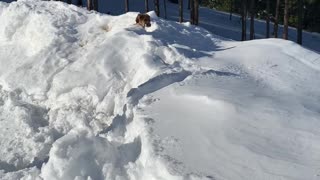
x=147 y=20
x=143 y=20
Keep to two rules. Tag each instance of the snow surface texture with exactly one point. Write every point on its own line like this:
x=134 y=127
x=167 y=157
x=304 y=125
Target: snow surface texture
x=91 y=96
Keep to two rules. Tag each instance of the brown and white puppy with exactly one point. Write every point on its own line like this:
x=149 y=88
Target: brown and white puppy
x=143 y=20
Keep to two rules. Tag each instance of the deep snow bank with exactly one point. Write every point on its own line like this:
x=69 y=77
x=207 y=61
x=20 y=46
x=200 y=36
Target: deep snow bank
x=255 y=116
x=85 y=95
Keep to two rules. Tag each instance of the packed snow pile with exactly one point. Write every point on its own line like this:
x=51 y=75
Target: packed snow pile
x=91 y=96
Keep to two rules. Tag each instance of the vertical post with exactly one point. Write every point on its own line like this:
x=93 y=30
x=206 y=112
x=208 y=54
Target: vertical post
x=156 y=7
x=180 y=11
x=285 y=19
x=146 y=5
x=299 y=27
x=268 y=20
x=189 y=4
x=252 y=13
x=196 y=12
x=89 y=5
x=126 y=4
x=276 y=20
x=244 y=20
x=192 y=12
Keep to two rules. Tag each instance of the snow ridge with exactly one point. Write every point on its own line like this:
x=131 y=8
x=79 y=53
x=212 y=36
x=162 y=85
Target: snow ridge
x=68 y=93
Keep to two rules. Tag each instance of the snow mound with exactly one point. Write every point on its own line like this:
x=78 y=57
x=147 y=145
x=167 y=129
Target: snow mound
x=91 y=96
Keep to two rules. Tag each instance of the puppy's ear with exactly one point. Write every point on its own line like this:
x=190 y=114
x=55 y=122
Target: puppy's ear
x=137 y=18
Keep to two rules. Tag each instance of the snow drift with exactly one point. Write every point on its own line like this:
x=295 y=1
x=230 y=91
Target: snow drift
x=91 y=96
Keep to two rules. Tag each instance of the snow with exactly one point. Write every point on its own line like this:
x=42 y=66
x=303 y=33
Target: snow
x=234 y=124
x=90 y=96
